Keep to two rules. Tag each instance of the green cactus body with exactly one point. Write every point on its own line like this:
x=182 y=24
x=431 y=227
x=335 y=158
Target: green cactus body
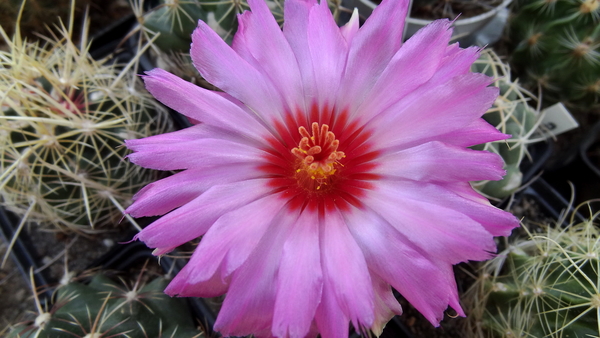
x=557 y=44
x=544 y=286
x=104 y=308
x=511 y=114
x=63 y=120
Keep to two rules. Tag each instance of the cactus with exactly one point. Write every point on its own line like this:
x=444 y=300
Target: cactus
x=557 y=44
x=105 y=308
x=546 y=285
x=176 y=19
x=63 y=119
x=511 y=114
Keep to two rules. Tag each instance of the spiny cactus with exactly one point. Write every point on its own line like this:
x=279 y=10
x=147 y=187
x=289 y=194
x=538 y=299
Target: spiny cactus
x=511 y=114
x=556 y=43
x=176 y=19
x=546 y=285
x=63 y=119
x=105 y=308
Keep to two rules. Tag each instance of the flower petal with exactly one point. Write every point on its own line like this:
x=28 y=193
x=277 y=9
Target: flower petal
x=386 y=305
x=477 y=132
x=164 y=195
x=231 y=239
x=448 y=235
x=223 y=67
x=163 y=153
x=330 y=320
x=434 y=111
x=497 y=222
x=412 y=66
x=295 y=30
x=429 y=287
x=299 y=278
x=350 y=29
x=345 y=267
x=260 y=41
x=181 y=286
x=194 y=218
x=244 y=312
x=423 y=163
x=371 y=50
x=202 y=105
x=328 y=51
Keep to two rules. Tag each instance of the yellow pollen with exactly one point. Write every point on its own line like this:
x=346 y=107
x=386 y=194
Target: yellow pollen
x=318 y=152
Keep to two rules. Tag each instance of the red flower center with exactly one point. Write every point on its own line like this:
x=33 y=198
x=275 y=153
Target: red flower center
x=324 y=168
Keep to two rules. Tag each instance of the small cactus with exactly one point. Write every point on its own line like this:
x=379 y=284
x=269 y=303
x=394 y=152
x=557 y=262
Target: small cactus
x=63 y=119
x=175 y=20
x=511 y=114
x=546 y=285
x=105 y=308
x=557 y=44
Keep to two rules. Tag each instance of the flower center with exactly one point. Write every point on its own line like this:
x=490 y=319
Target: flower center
x=317 y=155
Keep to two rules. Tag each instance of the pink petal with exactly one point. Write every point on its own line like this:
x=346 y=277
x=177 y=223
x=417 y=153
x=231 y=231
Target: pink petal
x=295 y=30
x=478 y=132
x=428 y=286
x=259 y=41
x=151 y=153
x=423 y=163
x=194 y=218
x=371 y=50
x=300 y=279
x=446 y=234
x=477 y=207
x=244 y=312
x=201 y=104
x=457 y=62
x=328 y=52
x=231 y=239
x=386 y=305
x=182 y=287
x=435 y=111
x=412 y=66
x=223 y=67
x=345 y=267
x=350 y=29
x=164 y=195
x=331 y=322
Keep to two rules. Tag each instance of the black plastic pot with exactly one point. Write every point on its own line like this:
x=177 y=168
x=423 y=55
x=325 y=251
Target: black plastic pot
x=590 y=149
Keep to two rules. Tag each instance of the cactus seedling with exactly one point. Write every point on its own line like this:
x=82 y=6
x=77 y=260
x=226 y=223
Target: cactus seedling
x=546 y=285
x=63 y=120
x=511 y=114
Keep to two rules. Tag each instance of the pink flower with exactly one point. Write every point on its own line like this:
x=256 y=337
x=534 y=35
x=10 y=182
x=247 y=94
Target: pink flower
x=333 y=167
